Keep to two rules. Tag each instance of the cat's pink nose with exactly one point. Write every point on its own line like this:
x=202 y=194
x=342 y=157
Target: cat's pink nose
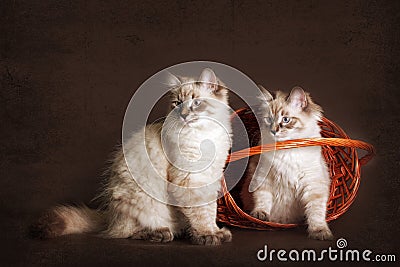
x=184 y=115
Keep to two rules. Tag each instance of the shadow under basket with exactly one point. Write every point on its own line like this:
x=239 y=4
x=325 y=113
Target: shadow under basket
x=339 y=152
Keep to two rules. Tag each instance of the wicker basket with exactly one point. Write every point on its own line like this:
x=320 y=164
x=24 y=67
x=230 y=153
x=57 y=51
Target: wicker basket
x=339 y=152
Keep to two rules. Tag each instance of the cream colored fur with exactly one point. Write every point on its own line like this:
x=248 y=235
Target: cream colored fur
x=79 y=219
x=130 y=211
x=290 y=185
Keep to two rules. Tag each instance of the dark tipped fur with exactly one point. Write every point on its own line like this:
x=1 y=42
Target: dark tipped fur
x=211 y=239
x=159 y=235
x=49 y=225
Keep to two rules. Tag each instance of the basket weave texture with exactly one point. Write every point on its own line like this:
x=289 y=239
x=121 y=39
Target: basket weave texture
x=340 y=153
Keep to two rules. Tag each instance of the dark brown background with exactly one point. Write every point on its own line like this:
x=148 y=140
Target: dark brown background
x=68 y=70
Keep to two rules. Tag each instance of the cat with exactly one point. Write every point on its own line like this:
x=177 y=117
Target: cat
x=129 y=211
x=289 y=185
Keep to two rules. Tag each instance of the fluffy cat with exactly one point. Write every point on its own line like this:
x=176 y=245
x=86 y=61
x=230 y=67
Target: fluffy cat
x=128 y=210
x=289 y=185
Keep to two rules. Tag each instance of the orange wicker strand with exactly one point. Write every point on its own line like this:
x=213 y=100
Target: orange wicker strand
x=339 y=152
x=303 y=143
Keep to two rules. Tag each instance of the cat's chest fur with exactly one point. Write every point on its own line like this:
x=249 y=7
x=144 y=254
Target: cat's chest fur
x=206 y=141
x=287 y=177
x=290 y=165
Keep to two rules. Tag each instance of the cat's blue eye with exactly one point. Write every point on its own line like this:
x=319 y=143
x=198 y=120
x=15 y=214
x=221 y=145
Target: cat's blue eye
x=196 y=102
x=268 y=120
x=285 y=119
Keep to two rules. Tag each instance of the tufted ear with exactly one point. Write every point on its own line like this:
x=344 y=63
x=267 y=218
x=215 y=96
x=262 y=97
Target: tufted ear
x=172 y=80
x=265 y=94
x=297 y=98
x=208 y=79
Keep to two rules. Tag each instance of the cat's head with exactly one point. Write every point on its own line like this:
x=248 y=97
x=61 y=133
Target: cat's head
x=195 y=99
x=290 y=116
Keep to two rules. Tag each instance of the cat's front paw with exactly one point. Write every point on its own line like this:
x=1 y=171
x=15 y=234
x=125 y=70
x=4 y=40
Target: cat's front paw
x=260 y=214
x=224 y=234
x=320 y=233
x=211 y=239
x=160 y=235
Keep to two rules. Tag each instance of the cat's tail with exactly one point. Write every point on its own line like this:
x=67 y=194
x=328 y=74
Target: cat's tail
x=64 y=220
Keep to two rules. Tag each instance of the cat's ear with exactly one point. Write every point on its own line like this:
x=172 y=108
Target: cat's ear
x=172 y=80
x=266 y=95
x=298 y=98
x=208 y=79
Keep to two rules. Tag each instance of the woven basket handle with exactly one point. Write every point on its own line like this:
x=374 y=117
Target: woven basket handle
x=320 y=141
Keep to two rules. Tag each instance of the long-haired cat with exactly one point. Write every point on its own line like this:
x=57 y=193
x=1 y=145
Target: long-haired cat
x=129 y=211
x=288 y=186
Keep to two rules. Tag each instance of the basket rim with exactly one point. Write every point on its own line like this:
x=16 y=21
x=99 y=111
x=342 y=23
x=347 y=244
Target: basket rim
x=305 y=142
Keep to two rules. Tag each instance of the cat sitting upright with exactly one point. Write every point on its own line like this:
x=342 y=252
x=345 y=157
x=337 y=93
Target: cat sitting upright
x=199 y=112
x=289 y=185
